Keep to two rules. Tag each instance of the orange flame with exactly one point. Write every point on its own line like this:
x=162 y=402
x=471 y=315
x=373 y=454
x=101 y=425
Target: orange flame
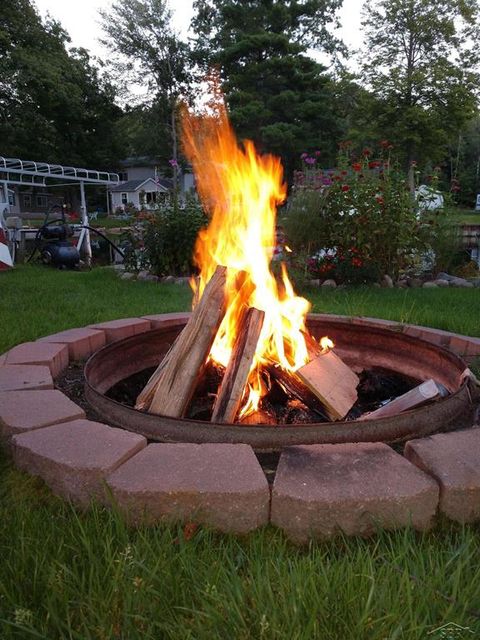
x=240 y=190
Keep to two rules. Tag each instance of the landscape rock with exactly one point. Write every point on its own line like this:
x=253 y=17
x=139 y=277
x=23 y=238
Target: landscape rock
x=387 y=282
x=323 y=490
x=219 y=485
x=445 y=276
x=53 y=356
x=169 y=279
x=329 y=284
x=24 y=377
x=441 y=282
x=453 y=459
x=151 y=278
x=315 y=282
x=28 y=410
x=127 y=276
x=74 y=458
x=430 y=285
x=142 y=275
x=461 y=282
x=401 y=284
x=182 y=280
x=415 y=283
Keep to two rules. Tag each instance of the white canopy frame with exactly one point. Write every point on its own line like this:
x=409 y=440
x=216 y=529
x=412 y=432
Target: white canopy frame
x=14 y=171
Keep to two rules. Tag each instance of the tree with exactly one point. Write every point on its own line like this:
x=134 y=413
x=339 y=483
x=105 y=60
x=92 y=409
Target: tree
x=150 y=51
x=420 y=62
x=278 y=96
x=54 y=104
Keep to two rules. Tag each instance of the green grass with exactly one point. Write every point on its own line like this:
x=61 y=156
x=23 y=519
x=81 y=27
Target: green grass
x=68 y=574
x=36 y=301
x=465 y=216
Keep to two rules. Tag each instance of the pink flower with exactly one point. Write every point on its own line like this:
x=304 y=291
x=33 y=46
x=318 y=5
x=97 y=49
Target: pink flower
x=173 y=162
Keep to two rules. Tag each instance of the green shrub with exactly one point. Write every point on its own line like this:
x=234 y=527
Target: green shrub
x=362 y=211
x=169 y=237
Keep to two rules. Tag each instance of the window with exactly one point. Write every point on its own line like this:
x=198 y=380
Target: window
x=123 y=176
x=27 y=200
x=41 y=202
x=11 y=198
x=124 y=198
x=151 y=197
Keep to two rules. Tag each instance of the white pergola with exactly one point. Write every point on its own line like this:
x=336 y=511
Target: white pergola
x=27 y=172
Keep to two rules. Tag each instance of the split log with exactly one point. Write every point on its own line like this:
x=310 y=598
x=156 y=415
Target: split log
x=259 y=417
x=236 y=375
x=425 y=392
x=333 y=382
x=170 y=389
x=313 y=347
x=295 y=388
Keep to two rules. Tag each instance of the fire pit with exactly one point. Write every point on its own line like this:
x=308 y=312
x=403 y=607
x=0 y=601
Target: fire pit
x=247 y=343
x=358 y=345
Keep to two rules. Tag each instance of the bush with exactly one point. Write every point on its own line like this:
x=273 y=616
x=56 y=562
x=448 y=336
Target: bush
x=362 y=212
x=169 y=237
x=441 y=234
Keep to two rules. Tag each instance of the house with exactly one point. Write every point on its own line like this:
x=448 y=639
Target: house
x=143 y=185
x=143 y=193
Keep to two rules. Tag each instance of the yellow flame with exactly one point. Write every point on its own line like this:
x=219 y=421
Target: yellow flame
x=326 y=344
x=240 y=190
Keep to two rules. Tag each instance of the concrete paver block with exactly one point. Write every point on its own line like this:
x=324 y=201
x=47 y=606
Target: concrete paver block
x=28 y=410
x=453 y=459
x=322 y=490
x=17 y=377
x=81 y=342
x=119 y=329
x=167 y=319
x=74 y=458
x=220 y=485
x=54 y=356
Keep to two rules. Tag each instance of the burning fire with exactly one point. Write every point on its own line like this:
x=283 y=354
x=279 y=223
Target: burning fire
x=241 y=190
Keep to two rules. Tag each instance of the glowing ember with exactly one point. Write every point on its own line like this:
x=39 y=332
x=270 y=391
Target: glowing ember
x=240 y=190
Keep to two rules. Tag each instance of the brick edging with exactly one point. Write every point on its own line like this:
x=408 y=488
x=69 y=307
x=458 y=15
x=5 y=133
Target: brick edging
x=34 y=361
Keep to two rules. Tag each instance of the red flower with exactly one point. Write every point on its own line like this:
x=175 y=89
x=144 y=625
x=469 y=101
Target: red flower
x=356 y=166
x=379 y=199
x=366 y=152
x=345 y=187
x=385 y=144
x=374 y=164
x=344 y=173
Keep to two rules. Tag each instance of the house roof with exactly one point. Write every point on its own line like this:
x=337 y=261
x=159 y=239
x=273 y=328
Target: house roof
x=140 y=161
x=136 y=185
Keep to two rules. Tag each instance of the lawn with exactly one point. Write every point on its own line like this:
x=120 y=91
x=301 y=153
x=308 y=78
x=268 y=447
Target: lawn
x=68 y=574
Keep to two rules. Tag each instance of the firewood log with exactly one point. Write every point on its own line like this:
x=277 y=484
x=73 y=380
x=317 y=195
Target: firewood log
x=171 y=387
x=236 y=375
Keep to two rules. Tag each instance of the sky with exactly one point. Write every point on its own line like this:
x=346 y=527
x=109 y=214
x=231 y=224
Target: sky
x=81 y=20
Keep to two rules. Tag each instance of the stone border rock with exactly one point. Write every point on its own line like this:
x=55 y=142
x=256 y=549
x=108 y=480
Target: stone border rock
x=319 y=490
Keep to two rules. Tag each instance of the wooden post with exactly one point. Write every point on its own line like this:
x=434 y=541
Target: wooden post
x=236 y=375
x=333 y=382
x=414 y=398
x=171 y=387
